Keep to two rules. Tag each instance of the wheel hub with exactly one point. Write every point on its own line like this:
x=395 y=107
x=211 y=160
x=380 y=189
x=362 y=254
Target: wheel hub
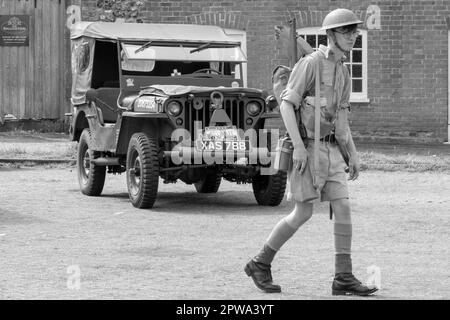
x=86 y=164
x=135 y=175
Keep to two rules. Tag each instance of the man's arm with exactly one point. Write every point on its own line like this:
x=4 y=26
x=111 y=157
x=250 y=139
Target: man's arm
x=354 y=158
x=349 y=146
x=300 y=155
x=301 y=78
x=290 y=121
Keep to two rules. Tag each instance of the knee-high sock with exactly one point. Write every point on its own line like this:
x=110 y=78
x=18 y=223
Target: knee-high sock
x=282 y=232
x=279 y=235
x=342 y=243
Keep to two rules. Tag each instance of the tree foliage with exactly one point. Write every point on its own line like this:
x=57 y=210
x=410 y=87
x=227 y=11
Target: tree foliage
x=110 y=10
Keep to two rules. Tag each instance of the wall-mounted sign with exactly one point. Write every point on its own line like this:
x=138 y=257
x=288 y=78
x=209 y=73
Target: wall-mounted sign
x=14 y=30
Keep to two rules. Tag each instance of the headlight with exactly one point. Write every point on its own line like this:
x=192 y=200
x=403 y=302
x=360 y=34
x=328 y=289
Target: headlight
x=127 y=102
x=253 y=108
x=174 y=108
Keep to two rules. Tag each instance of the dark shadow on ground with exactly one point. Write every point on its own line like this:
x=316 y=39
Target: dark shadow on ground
x=12 y=218
x=116 y=195
x=4 y=167
x=224 y=203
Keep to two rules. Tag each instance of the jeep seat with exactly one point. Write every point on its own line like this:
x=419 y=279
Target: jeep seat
x=107 y=102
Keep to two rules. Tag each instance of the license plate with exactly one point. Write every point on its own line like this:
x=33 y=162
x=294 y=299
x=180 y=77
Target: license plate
x=213 y=145
x=221 y=138
x=219 y=133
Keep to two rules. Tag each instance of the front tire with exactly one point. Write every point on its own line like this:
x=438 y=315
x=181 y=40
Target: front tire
x=91 y=177
x=269 y=189
x=142 y=170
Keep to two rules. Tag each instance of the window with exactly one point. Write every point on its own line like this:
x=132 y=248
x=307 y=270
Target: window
x=356 y=62
x=179 y=60
x=105 y=71
x=241 y=36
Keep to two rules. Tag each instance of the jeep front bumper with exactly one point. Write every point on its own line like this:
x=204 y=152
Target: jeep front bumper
x=190 y=155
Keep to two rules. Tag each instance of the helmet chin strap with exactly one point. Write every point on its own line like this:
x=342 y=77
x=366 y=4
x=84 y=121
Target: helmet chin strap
x=336 y=43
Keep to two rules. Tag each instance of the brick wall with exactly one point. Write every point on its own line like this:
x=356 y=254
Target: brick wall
x=407 y=58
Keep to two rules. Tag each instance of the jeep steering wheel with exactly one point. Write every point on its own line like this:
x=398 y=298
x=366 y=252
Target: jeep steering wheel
x=205 y=70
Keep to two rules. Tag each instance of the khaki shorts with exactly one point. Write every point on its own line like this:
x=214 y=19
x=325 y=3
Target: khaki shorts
x=332 y=182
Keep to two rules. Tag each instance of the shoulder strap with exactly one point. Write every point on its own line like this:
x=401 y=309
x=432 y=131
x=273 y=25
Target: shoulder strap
x=317 y=123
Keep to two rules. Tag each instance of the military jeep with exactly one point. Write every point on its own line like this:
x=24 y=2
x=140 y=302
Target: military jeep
x=167 y=101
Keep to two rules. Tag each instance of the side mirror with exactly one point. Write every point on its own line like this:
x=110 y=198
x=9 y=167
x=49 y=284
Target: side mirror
x=91 y=95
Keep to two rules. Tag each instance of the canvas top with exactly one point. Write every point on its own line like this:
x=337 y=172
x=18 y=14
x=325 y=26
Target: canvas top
x=185 y=33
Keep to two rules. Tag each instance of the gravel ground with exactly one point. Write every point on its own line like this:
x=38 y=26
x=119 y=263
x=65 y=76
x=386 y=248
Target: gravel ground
x=192 y=246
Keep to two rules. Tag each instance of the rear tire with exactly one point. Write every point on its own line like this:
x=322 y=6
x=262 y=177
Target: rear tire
x=142 y=170
x=269 y=189
x=209 y=184
x=91 y=177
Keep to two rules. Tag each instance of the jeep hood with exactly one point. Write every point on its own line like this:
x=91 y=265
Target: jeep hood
x=177 y=90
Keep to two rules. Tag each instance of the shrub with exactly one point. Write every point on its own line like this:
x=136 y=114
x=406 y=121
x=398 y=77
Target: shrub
x=110 y=10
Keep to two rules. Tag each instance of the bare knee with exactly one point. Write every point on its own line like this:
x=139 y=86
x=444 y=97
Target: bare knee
x=301 y=213
x=341 y=209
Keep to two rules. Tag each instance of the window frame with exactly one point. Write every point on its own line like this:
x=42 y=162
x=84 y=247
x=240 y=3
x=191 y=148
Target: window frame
x=355 y=97
x=241 y=36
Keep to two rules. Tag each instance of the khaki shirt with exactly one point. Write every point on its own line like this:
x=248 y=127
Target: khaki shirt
x=300 y=91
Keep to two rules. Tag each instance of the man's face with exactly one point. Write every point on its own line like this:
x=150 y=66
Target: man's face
x=346 y=36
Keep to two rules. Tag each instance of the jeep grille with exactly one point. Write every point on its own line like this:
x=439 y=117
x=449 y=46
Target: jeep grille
x=233 y=107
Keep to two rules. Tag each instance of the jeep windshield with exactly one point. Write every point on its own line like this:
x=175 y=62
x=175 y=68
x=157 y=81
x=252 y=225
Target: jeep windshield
x=191 y=61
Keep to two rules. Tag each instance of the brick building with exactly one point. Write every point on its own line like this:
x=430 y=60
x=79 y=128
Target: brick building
x=399 y=68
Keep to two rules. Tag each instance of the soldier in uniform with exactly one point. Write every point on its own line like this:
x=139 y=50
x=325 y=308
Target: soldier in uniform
x=335 y=137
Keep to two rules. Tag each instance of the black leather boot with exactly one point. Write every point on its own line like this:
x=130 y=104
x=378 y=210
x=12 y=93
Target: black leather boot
x=261 y=275
x=347 y=284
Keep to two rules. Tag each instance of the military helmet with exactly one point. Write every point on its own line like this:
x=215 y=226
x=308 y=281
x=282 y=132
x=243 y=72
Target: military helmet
x=339 y=18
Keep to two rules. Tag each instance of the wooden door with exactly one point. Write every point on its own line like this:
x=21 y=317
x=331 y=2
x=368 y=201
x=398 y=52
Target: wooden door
x=33 y=78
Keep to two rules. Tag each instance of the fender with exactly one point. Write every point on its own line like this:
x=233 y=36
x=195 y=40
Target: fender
x=88 y=116
x=155 y=125
x=79 y=121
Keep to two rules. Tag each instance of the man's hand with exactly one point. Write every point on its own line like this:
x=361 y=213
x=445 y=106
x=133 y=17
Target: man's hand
x=353 y=168
x=299 y=158
x=282 y=32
